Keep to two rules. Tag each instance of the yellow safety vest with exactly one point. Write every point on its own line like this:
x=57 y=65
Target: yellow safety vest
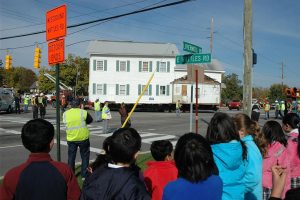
x=282 y=107
x=105 y=110
x=97 y=106
x=178 y=105
x=76 y=124
x=267 y=107
x=26 y=100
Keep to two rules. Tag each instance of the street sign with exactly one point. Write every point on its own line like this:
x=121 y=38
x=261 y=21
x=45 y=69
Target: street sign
x=193 y=58
x=191 y=48
x=56 y=23
x=56 y=51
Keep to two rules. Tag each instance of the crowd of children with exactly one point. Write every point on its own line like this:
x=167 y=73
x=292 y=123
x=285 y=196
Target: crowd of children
x=236 y=160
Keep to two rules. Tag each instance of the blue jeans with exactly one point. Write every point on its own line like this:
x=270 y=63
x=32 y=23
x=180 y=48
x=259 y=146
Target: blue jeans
x=177 y=112
x=267 y=116
x=25 y=107
x=84 y=147
x=105 y=126
x=97 y=115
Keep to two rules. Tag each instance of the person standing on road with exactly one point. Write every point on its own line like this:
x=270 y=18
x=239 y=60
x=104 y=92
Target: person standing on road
x=26 y=103
x=106 y=116
x=267 y=110
x=63 y=104
x=17 y=103
x=35 y=109
x=124 y=115
x=76 y=121
x=42 y=106
x=97 y=108
x=178 y=107
x=255 y=112
x=282 y=109
x=277 y=109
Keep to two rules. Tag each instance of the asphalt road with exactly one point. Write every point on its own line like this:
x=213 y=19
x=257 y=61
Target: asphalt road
x=151 y=126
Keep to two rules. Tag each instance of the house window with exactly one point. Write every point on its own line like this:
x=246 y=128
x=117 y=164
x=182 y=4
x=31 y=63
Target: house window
x=100 y=65
x=145 y=67
x=163 y=67
x=147 y=90
x=122 y=66
x=162 y=90
x=100 y=89
x=122 y=90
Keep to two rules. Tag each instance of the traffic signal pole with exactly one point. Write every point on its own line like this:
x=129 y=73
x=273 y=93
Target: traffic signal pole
x=57 y=113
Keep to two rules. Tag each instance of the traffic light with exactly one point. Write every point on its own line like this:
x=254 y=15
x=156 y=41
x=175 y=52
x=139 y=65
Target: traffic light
x=37 y=57
x=8 y=62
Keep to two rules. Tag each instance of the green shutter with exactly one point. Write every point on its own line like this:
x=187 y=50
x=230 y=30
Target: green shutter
x=168 y=66
x=117 y=89
x=117 y=65
x=105 y=65
x=94 y=88
x=127 y=89
x=150 y=66
x=168 y=90
x=139 y=89
x=157 y=66
x=150 y=90
x=104 y=88
x=94 y=65
x=128 y=65
x=157 y=90
x=140 y=66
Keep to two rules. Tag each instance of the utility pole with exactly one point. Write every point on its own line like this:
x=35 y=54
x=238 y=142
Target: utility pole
x=248 y=61
x=211 y=34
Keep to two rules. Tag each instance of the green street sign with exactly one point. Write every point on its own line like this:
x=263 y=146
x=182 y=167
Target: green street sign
x=193 y=58
x=191 y=48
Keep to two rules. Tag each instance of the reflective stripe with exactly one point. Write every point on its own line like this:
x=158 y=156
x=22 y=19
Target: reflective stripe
x=76 y=127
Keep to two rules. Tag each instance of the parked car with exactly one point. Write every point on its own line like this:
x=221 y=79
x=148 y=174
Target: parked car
x=6 y=100
x=234 y=104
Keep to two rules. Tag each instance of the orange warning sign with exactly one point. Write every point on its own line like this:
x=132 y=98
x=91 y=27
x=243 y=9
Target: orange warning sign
x=56 y=23
x=56 y=51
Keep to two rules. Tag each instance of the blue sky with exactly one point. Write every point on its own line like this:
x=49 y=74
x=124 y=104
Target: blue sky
x=276 y=30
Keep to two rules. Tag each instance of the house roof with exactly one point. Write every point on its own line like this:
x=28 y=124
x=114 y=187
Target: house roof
x=130 y=48
x=215 y=65
x=184 y=80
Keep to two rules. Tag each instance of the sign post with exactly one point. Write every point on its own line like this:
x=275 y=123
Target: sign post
x=56 y=27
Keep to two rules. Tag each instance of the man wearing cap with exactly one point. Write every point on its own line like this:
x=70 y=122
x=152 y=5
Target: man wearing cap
x=97 y=110
x=267 y=110
x=26 y=103
x=76 y=121
x=106 y=116
x=282 y=109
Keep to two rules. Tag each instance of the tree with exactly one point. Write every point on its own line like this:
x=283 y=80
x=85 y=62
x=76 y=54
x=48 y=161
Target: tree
x=234 y=88
x=45 y=85
x=277 y=92
x=19 y=78
x=260 y=93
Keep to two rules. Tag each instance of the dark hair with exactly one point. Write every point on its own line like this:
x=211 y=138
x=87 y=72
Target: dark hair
x=102 y=159
x=194 y=158
x=160 y=149
x=244 y=123
x=36 y=135
x=125 y=142
x=222 y=129
x=273 y=132
x=291 y=119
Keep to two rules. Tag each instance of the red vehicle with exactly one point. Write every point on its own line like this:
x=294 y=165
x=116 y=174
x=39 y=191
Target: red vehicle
x=235 y=104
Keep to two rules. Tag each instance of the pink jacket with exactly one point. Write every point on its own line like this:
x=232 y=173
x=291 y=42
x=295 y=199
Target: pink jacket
x=292 y=149
x=277 y=153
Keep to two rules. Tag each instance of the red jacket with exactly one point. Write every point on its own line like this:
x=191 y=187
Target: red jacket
x=158 y=175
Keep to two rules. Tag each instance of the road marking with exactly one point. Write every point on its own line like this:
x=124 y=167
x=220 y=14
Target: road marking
x=165 y=137
x=95 y=128
x=11 y=131
x=151 y=129
x=19 y=145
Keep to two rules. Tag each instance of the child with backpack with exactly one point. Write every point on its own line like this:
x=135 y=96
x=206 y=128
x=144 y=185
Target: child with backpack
x=161 y=171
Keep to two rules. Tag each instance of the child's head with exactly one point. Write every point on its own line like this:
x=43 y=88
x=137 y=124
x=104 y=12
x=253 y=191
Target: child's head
x=243 y=124
x=124 y=145
x=37 y=136
x=194 y=158
x=274 y=133
x=221 y=129
x=161 y=150
x=290 y=121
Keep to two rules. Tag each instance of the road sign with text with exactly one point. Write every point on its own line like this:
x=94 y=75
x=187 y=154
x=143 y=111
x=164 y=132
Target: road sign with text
x=56 y=51
x=56 y=23
x=191 y=48
x=193 y=58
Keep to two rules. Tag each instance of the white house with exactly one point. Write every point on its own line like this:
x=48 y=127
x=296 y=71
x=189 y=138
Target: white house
x=120 y=69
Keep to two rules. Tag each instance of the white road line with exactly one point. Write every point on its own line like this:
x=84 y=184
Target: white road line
x=11 y=131
x=174 y=143
x=5 y=147
x=95 y=128
x=165 y=137
x=151 y=129
x=148 y=134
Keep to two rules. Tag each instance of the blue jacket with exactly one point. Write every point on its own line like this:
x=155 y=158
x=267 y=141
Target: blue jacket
x=253 y=176
x=180 y=189
x=229 y=160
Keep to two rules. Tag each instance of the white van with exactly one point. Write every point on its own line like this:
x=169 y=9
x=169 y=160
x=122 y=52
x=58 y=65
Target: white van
x=6 y=100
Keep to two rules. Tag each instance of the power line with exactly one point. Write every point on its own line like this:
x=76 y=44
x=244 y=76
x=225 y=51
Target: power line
x=103 y=19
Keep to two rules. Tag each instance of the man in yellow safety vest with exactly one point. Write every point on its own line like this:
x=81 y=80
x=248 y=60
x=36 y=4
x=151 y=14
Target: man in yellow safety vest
x=105 y=117
x=97 y=110
x=76 y=121
x=267 y=110
x=26 y=103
